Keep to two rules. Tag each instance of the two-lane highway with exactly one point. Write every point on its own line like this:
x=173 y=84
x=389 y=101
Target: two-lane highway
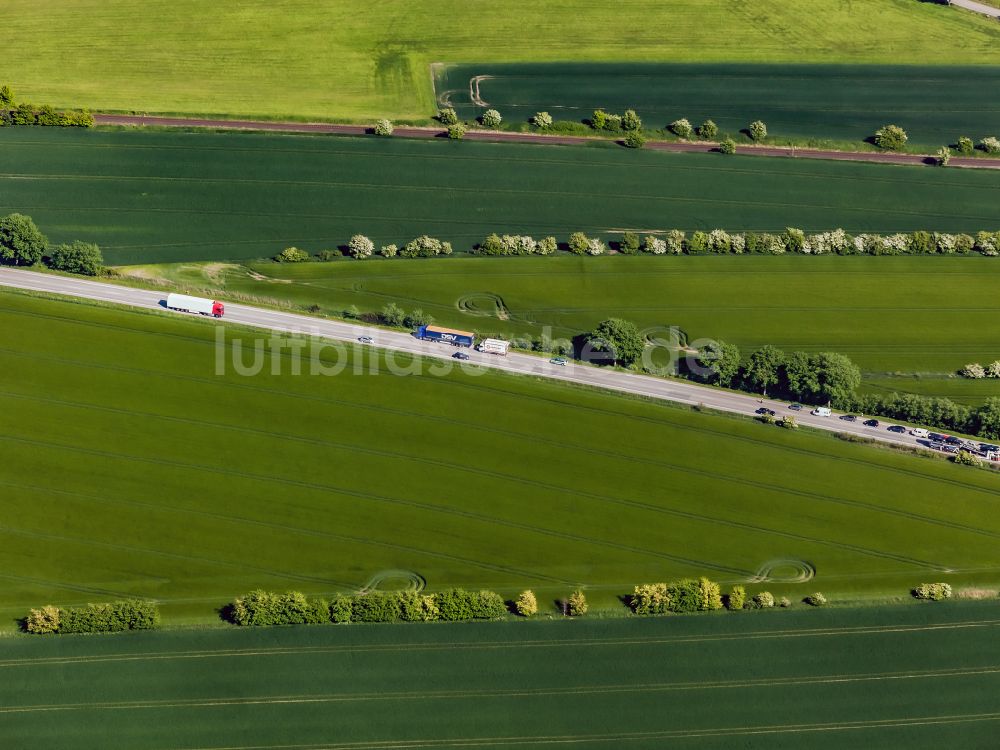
x=667 y=389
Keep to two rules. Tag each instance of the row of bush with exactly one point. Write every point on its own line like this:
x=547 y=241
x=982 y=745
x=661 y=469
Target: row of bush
x=294 y=608
x=679 y=242
x=23 y=244
x=704 y=595
x=12 y=113
x=111 y=617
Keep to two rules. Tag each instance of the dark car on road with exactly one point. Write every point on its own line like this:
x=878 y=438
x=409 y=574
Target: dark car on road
x=871 y=423
x=896 y=428
x=460 y=355
x=765 y=410
x=795 y=407
x=952 y=440
x=849 y=417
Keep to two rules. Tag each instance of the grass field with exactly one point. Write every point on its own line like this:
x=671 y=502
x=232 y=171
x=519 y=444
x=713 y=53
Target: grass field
x=347 y=58
x=891 y=315
x=169 y=196
x=132 y=468
x=904 y=677
x=934 y=104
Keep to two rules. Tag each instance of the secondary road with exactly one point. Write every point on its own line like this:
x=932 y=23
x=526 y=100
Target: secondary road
x=666 y=389
x=500 y=136
x=975 y=7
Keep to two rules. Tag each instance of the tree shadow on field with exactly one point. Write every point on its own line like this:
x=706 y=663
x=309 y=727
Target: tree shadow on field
x=225 y=613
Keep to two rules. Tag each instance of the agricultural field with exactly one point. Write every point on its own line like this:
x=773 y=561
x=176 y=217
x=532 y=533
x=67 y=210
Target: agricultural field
x=892 y=315
x=934 y=104
x=916 y=677
x=348 y=59
x=140 y=462
x=150 y=196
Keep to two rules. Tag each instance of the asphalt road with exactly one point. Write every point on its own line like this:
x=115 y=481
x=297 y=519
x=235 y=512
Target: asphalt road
x=501 y=136
x=666 y=389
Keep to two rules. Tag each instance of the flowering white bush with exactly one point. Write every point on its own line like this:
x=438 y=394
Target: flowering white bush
x=596 y=247
x=986 y=243
x=719 y=241
x=383 y=127
x=763 y=600
x=774 y=244
x=389 y=251
x=896 y=244
x=737 y=243
x=542 y=120
x=655 y=245
x=491 y=118
x=824 y=243
x=361 y=247
x=974 y=371
x=990 y=145
x=681 y=128
x=993 y=370
x=944 y=243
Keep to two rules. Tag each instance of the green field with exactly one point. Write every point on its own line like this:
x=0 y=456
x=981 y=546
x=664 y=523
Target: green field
x=346 y=58
x=935 y=104
x=132 y=468
x=899 y=677
x=891 y=315
x=169 y=196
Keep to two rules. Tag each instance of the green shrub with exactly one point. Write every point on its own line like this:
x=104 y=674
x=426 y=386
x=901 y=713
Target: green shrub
x=630 y=243
x=634 y=139
x=458 y=604
x=393 y=315
x=526 y=604
x=44 y=620
x=737 y=598
x=578 y=243
x=727 y=146
x=447 y=116
x=682 y=128
x=491 y=119
x=328 y=255
x=375 y=606
x=763 y=600
x=965 y=146
x=577 y=605
x=709 y=596
x=758 y=130
x=542 y=120
x=456 y=132
x=891 y=137
x=708 y=130
x=934 y=592
x=815 y=600
x=631 y=121
x=268 y=608
x=78 y=257
x=341 y=609
x=292 y=255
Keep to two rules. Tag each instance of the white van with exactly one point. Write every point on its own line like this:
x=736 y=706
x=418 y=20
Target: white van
x=919 y=432
x=821 y=411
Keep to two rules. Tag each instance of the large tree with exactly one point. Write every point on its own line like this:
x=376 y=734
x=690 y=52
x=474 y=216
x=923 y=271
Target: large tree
x=21 y=242
x=78 y=257
x=827 y=376
x=764 y=368
x=721 y=361
x=619 y=338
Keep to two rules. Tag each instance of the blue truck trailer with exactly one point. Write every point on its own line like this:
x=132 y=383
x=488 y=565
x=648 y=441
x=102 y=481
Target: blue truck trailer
x=446 y=335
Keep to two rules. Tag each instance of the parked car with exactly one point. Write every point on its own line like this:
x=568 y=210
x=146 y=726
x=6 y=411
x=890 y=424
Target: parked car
x=949 y=448
x=937 y=437
x=849 y=417
x=990 y=448
x=460 y=355
x=919 y=432
x=366 y=339
x=558 y=361
x=952 y=440
x=871 y=423
x=765 y=410
x=896 y=428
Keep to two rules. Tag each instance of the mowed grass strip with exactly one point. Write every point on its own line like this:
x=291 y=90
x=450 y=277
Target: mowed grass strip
x=169 y=196
x=889 y=314
x=934 y=104
x=347 y=58
x=142 y=472
x=822 y=677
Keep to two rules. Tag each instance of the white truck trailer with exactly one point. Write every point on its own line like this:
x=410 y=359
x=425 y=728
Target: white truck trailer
x=184 y=303
x=494 y=346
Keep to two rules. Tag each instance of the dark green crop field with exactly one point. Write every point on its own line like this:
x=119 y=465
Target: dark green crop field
x=926 y=316
x=935 y=105
x=136 y=464
x=168 y=196
x=895 y=677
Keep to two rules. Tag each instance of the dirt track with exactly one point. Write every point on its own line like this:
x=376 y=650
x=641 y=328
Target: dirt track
x=559 y=140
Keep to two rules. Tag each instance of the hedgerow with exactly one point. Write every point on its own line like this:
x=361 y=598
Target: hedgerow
x=109 y=617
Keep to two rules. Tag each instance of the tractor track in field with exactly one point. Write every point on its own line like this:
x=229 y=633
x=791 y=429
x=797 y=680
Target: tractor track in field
x=538 y=138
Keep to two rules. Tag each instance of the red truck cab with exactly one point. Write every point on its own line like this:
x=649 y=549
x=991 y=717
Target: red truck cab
x=218 y=310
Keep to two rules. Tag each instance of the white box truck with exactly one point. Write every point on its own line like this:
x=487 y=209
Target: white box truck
x=184 y=303
x=494 y=346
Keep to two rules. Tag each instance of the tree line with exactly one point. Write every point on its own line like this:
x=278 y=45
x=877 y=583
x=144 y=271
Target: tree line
x=25 y=113
x=23 y=244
